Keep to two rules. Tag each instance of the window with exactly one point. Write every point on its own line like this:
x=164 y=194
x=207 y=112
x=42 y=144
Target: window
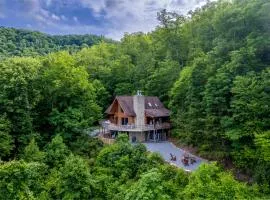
x=124 y=121
x=149 y=104
x=156 y=105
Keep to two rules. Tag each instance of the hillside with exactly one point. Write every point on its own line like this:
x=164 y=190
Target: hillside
x=210 y=68
x=19 y=42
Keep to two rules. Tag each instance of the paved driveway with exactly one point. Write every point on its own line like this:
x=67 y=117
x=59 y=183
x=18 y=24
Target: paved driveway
x=165 y=148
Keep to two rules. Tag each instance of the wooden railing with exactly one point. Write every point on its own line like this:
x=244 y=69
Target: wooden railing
x=132 y=127
x=106 y=140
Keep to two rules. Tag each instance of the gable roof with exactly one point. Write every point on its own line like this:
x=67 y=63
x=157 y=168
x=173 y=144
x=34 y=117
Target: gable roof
x=153 y=106
x=126 y=103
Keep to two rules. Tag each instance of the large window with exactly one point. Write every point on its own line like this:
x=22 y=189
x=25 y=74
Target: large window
x=124 y=121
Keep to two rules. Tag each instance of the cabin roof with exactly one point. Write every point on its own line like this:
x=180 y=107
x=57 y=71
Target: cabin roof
x=153 y=106
x=162 y=112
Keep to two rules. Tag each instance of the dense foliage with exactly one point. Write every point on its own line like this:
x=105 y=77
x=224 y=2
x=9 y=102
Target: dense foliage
x=17 y=42
x=120 y=171
x=212 y=68
x=221 y=101
x=44 y=97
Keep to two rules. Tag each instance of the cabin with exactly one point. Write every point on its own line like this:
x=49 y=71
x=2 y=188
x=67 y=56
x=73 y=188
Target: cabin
x=143 y=118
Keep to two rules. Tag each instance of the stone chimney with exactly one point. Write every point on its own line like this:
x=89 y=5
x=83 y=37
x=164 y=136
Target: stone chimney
x=139 y=107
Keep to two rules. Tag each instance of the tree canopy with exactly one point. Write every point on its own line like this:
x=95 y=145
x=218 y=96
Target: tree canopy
x=19 y=42
x=210 y=67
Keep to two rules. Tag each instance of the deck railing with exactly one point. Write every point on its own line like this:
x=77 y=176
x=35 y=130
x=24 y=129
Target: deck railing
x=106 y=140
x=129 y=127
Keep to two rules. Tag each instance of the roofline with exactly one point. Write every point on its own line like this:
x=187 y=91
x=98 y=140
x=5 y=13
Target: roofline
x=134 y=114
x=122 y=107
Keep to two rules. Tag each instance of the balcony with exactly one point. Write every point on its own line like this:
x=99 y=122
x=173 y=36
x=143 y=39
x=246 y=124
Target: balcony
x=133 y=128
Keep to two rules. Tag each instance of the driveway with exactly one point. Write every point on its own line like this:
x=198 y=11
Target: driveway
x=165 y=148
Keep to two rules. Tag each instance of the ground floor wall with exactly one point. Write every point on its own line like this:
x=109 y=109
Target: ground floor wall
x=136 y=136
x=149 y=136
x=157 y=135
x=144 y=136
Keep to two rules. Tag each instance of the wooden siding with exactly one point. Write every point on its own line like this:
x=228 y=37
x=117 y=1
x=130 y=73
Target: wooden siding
x=118 y=114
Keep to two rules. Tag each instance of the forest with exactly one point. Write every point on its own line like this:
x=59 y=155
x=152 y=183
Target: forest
x=211 y=68
x=19 y=42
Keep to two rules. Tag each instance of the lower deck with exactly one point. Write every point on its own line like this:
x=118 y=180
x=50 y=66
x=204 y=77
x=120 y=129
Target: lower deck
x=143 y=136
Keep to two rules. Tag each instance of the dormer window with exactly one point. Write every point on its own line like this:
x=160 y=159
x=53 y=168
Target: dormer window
x=149 y=104
x=156 y=105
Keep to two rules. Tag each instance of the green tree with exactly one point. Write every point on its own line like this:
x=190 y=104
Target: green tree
x=162 y=80
x=32 y=153
x=102 y=94
x=19 y=96
x=148 y=187
x=86 y=147
x=32 y=43
x=56 y=152
x=262 y=169
x=220 y=101
x=6 y=141
x=69 y=100
x=21 y=180
x=209 y=182
x=122 y=159
x=75 y=180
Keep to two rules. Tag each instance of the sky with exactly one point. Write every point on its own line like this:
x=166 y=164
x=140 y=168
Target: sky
x=111 y=18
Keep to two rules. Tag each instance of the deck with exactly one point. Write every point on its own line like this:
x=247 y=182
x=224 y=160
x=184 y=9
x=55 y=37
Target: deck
x=133 y=128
